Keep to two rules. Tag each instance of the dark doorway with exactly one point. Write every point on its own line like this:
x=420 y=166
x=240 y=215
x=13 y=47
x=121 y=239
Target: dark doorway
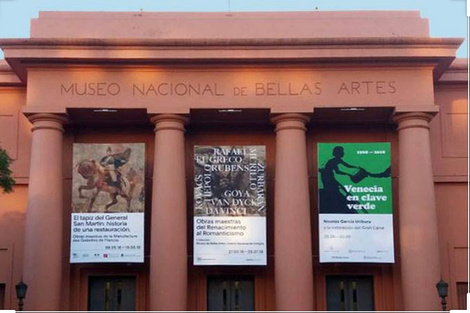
x=350 y=293
x=111 y=293
x=230 y=294
x=2 y=296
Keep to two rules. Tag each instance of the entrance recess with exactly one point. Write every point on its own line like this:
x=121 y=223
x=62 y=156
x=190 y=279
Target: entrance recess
x=230 y=294
x=350 y=293
x=111 y=293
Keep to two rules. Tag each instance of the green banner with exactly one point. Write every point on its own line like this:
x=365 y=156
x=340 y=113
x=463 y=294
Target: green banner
x=354 y=178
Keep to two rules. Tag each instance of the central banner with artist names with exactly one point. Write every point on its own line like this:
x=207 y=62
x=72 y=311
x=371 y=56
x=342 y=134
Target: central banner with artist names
x=230 y=205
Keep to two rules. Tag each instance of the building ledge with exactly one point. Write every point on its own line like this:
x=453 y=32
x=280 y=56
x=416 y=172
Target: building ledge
x=435 y=52
x=457 y=72
x=8 y=77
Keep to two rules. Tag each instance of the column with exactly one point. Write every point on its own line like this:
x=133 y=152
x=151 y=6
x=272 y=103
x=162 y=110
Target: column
x=168 y=251
x=43 y=257
x=292 y=233
x=419 y=241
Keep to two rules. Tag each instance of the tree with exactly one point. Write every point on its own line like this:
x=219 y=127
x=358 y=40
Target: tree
x=6 y=181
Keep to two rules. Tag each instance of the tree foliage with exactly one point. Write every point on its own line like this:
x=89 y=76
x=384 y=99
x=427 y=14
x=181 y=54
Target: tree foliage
x=6 y=181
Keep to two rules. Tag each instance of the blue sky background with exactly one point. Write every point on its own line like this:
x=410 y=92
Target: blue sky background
x=447 y=17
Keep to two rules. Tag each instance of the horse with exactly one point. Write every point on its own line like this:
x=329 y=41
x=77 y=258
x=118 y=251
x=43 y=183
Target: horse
x=97 y=177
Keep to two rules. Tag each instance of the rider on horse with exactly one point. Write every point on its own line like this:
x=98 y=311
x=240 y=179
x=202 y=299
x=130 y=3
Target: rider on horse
x=112 y=164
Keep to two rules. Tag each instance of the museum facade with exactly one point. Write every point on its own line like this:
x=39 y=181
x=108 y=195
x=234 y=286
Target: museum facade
x=234 y=161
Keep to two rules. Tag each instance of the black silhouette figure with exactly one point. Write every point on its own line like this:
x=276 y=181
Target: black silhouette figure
x=333 y=196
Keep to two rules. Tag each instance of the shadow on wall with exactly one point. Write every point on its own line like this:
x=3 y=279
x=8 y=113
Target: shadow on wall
x=12 y=225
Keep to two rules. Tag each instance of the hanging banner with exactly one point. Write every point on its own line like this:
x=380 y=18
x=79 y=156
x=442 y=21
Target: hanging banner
x=355 y=203
x=230 y=205
x=108 y=202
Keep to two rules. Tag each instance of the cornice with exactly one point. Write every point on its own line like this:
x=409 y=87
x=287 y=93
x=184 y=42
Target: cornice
x=27 y=52
x=228 y=43
x=8 y=77
x=456 y=73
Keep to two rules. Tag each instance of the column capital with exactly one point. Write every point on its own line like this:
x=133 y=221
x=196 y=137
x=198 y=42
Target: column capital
x=47 y=121
x=413 y=120
x=290 y=121
x=169 y=121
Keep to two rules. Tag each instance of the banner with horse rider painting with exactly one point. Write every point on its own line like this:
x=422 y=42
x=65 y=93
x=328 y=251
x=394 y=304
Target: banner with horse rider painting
x=230 y=205
x=108 y=202
x=355 y=202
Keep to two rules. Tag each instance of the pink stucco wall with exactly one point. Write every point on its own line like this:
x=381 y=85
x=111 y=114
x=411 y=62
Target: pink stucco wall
x=229 y=25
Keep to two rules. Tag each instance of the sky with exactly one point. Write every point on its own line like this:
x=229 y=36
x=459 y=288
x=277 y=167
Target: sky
x=447 y=17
